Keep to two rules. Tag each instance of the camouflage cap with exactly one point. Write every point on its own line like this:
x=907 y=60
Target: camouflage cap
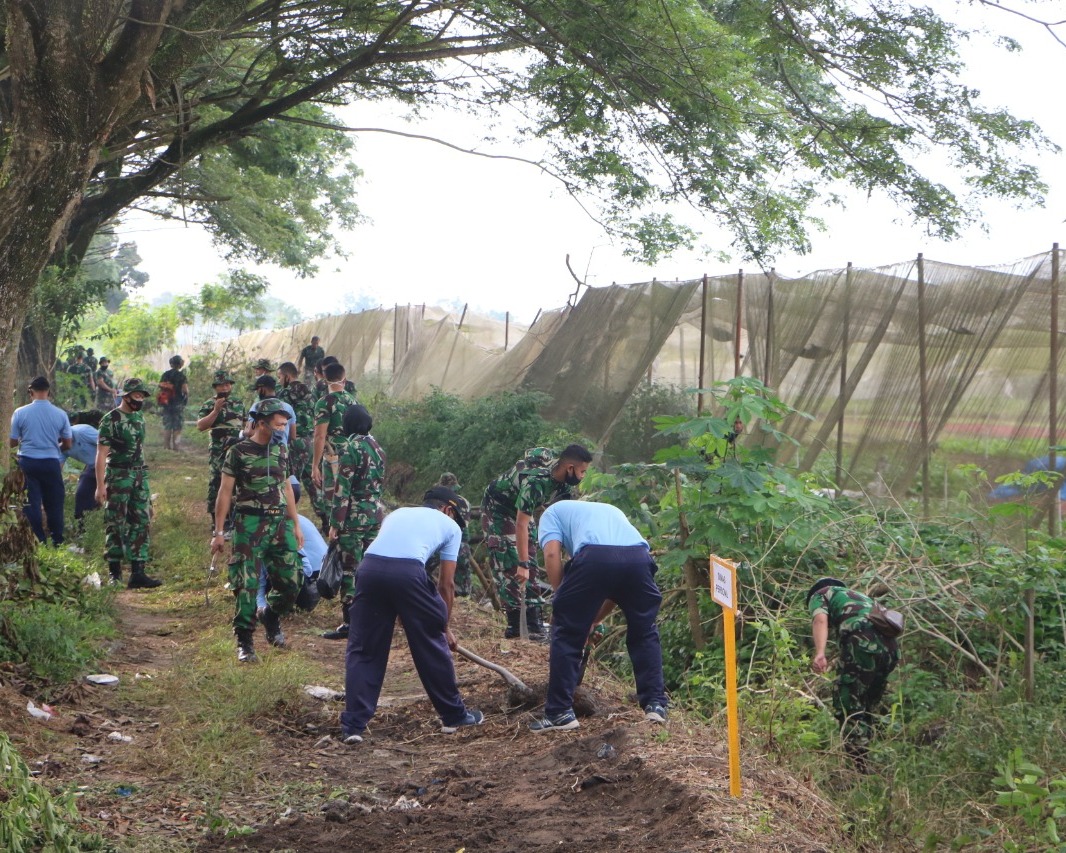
x=221 y=378
x=263 y=364
x=271 y=406
x=450 y=480
x=132 y=385
x=443 y=495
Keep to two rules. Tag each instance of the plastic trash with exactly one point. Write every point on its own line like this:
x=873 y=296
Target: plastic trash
x=323 y=693
x=89 y=758
x=102 y=678
x=93 y=580
x=403 y=804
x=45 y=712
x=118 y=737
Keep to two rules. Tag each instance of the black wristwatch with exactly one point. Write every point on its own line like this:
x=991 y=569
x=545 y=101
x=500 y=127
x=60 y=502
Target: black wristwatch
x=526 y=564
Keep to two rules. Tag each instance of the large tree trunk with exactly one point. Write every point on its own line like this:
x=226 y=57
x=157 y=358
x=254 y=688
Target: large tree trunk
x=66 y=95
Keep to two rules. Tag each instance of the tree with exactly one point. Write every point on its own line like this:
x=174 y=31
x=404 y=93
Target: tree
x=747 y=109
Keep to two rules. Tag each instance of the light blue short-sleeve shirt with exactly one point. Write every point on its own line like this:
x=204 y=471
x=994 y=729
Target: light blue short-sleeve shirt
x=417 y=533
x=39 y=426
x=579 y=523
x=84 y=447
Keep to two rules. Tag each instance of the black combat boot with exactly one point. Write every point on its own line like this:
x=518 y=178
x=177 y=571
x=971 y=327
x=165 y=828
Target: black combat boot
x=538 y=631
x=245 y=647
x=115 y=570
x=138 y=579
x=341 y=631
x=513 y=629
x=272 y=626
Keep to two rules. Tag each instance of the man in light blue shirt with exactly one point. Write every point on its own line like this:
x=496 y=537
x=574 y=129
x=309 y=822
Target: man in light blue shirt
x=391 y=581
x=85 y=428
x=609 y=565
x=41 y=432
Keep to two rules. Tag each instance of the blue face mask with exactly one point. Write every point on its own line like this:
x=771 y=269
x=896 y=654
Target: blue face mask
x=277 y=436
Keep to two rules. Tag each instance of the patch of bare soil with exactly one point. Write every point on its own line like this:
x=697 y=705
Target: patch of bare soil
x=616 y=784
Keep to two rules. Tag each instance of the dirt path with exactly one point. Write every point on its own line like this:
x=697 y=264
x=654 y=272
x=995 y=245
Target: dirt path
x=617 y=784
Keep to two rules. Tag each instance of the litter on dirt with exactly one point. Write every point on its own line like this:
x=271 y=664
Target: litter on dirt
x=102 y=678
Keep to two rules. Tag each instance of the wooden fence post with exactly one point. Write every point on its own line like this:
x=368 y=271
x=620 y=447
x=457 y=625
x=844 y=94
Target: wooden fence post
x=923 y=386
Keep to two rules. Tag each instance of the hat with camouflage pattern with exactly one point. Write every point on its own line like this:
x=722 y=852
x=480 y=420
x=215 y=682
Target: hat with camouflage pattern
x=221 y=378
x=450 y=480
x=270 y=406
x=131 y=386
x=263 y=364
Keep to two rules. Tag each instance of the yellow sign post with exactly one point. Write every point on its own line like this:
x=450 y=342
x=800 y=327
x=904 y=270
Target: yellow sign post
x=724 y=592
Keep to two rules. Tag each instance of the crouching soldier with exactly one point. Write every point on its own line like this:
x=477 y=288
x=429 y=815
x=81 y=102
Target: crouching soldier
x=255 y=482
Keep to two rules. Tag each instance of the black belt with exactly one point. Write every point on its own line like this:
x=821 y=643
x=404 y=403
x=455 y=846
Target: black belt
x=111 y=467
x=259 y=510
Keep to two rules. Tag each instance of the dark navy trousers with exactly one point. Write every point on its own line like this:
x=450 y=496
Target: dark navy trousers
x=384 y=589
x=44 y=486
x=85 y=495
x=625 y=575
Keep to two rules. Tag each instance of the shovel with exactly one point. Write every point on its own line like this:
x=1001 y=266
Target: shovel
x=512 y=680
x=211 y=572
x=523 y=626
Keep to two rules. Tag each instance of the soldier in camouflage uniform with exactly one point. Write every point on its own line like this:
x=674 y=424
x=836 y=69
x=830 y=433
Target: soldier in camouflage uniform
x=463 y=586
x=310 y=356
x=507 y=508
x=329 y=416
x=122 y=486
x=356 y=511
x=85 y=388
x=298 y=395
x=223 y=414
x=90 y=361
x=321 y=387
x=867 y=657
x=105 y=385
x=255 y=482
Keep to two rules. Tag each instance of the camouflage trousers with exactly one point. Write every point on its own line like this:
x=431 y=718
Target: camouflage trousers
x=300 y=460
x=271 y=540
x=353 y=542
x=322 y=499
x=866 y=660
x=500 y=542
x=214 y=483
x=173 y=416
x=463 y=585
x=126 y=515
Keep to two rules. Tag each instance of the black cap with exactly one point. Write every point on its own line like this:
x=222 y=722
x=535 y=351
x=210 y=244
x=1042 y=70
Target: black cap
x=444 y=495
x=265 y=381
x=821 y=584
x=39 y=383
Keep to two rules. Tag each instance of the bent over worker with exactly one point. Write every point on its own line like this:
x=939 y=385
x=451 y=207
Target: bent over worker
x=392 y=581
x=610 y=564
x=867 y=657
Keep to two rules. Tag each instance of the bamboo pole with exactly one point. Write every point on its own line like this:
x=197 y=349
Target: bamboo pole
x=701 y=379
x=681 y=351
x=739 y=318
x=380 y=335
x=1055 y=514
x=923 y=386
x=506 y=330
x=395 y=335
x=768 y=368
x=692 y=576
x=451 y=352
x=843 y=398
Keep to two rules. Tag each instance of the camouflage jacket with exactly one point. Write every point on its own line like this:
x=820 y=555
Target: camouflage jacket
x=82 y=370
x=298 y=395
x=312 y=356
x=124 y=434
x=360 y=483
x=105 y=375
x=228 y=423
x=845 y=608
x=91 y=362
x=260 y=472
x=528 y=484
x=330 y=411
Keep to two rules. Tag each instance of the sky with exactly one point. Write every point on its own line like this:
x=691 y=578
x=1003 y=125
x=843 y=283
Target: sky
x=449 y=228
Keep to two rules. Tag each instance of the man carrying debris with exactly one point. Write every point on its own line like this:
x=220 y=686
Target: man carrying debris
x=122 y=486
x=609 y=565
x=391 y=582
x=537 y=479
x=255 y=480
x=867 y=657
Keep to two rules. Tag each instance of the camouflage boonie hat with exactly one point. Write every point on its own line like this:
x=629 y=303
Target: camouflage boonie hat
x=134 y=384
x=271 y=406
x=450 y=480
x=221 y=378
x=263 y=364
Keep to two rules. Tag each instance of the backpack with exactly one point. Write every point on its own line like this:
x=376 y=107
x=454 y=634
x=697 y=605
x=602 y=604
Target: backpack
x=889 y=623
x=165 y=395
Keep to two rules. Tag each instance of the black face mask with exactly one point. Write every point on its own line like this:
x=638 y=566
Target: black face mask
x=222 y=395
x=135 y=405
x=571 y=478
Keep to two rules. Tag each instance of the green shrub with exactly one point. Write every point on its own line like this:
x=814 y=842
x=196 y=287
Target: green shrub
x=55 y=643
